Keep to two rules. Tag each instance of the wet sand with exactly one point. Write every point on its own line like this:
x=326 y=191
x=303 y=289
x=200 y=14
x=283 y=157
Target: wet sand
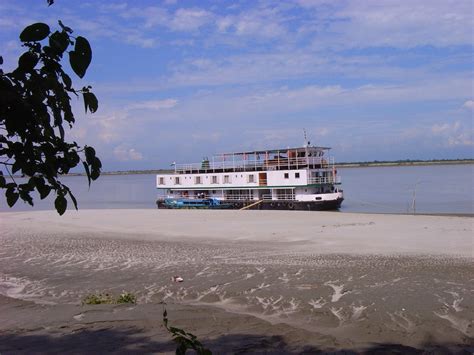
x=253 y=281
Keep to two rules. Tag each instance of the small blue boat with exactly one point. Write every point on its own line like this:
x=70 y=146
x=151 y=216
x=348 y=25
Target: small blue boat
x=187 y=203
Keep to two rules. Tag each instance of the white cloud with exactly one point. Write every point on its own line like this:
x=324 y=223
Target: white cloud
x=401 y=24
x=261 y=22
x=78 y=133
x=153 y=104
x=109 y=125
x=453 y=134
x=189 y=19
x=469 y=104
x=124 y=153
x=445 y=127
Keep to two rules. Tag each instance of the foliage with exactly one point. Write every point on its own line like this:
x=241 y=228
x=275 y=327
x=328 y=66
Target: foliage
x=35 y=107
x=126 y=297
x=99 y=298
x=105 y=298
x=184 y=341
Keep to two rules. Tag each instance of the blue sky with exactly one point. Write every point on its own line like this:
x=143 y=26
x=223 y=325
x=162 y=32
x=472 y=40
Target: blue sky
x=179 y=80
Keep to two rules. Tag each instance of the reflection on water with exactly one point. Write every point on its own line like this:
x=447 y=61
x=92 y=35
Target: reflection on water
x=437 y=189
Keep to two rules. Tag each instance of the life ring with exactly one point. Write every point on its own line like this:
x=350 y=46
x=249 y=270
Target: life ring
x=291 y=206
x=272 y=204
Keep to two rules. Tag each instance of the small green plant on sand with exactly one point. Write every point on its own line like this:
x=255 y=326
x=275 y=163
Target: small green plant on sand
x=105 y=298
x=127 y=297
x=100 y=298
x=184 y=341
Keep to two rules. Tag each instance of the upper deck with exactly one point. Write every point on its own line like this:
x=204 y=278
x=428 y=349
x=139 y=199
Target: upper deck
x=275 y=159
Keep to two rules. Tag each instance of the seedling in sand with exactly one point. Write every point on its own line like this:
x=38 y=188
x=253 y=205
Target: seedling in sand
x=105 y=298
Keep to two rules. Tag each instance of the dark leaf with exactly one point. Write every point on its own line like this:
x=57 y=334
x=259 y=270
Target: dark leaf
x=43 y=190
x=61 y=131
x=90 y=154
x=28 y=169
x=50 y=2
x=16 y=167
x=1 y=60
x=74 y=201
x=27 y=61
x=12 y=196
x=88 y=173
x=2 y=181
x=61 y=204
x=90 y=102
x=80 y=57
x=25 y=196
x=66 y=80
x=95 y=173
x=35 y=32
x=59 y=41
x=96 y=163
x=73 y=159
x=181 y=349
x=65 y=28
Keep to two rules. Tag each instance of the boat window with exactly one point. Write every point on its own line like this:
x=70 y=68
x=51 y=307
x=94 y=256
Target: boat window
x=287 y=175
x=197 y=180
x=214 y=180
x=297 y=175
x=226 y=179
x=251 y=178
x=162 y=181
x=176 y=181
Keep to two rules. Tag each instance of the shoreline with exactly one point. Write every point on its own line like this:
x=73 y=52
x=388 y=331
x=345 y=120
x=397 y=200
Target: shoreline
x=324 y=232
x=434 y=214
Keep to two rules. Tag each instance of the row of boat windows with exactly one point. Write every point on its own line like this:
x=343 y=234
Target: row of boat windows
x=215 y=179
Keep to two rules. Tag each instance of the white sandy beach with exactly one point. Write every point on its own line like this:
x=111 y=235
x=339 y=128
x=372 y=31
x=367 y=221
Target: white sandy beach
x=254 y=280
x=321 y=232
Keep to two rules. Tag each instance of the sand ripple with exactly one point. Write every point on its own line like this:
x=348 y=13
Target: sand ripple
x=412 y=295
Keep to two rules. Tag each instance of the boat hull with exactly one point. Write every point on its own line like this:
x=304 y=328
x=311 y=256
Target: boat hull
x=265 y=205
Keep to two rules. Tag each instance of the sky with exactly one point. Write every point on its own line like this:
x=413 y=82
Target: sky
x=181 y=80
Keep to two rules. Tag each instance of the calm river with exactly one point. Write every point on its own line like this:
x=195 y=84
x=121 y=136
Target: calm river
x=437 y=189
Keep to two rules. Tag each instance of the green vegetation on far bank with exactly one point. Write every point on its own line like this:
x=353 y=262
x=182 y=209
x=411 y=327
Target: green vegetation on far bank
x=406 y=162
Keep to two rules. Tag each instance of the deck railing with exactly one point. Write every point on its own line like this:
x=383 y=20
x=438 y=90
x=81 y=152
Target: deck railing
x=255 y=165
x=279 y=197
x=238 y=197
x=324 y=180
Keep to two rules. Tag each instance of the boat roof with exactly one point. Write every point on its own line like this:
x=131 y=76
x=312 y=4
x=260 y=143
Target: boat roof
x=265 y=151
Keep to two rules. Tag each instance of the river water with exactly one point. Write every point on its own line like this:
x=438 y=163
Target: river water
x=434 y=189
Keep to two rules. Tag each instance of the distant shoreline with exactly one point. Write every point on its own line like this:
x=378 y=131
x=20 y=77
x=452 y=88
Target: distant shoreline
x=405 y=163
x=338 y=165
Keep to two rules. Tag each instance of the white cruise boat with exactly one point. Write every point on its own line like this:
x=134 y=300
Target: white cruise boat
x=302 y=178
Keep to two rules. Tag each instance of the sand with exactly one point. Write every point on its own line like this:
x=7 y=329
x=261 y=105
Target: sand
x=269 y=281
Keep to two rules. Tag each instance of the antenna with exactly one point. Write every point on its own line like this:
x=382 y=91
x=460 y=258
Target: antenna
x=306 y=141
